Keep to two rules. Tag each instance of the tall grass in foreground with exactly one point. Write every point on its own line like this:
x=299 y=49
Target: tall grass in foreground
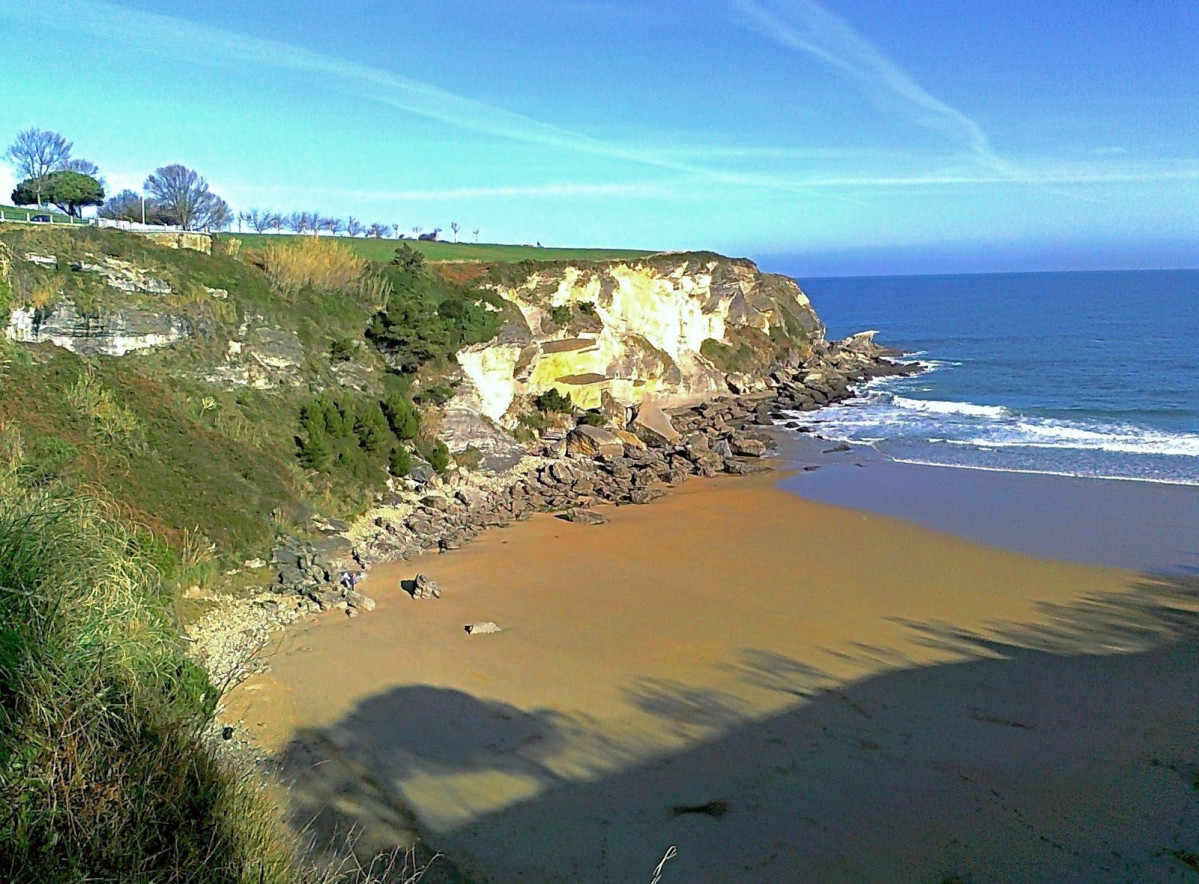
x=103 y=772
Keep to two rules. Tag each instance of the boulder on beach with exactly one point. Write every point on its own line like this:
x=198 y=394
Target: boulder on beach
x=422 y=587
x=483 y=627
x=653 y=425
x=583 y=517
x=588 y=441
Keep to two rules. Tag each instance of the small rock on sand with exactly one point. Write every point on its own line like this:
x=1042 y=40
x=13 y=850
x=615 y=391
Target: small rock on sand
x=585 y=517
x=485 y=627
x=423 y=587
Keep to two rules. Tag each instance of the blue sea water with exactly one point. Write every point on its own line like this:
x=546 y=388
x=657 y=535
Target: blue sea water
x=1084 y=374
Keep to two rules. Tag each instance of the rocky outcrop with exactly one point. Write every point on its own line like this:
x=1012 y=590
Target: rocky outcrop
x=671 y=328
x=262 y=357
x=585 y=441
x=197 y=242
x=110 y=333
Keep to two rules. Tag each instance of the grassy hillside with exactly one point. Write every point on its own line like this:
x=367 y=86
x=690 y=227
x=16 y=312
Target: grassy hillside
x=209 y=464
x=103 y=775
x=383 y=249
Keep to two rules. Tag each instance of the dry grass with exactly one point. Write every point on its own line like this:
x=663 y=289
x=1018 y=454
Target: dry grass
x=111 y=421
x=312 y=262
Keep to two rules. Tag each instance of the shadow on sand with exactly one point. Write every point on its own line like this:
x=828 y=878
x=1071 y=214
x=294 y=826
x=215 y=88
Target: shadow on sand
x=1063 y=752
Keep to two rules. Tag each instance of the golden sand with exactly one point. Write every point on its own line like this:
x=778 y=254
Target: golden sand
x=729 y=607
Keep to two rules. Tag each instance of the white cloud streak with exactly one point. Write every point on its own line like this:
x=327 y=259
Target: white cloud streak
x=803 y=26
x=566 y=190
x=186 y=42
x=807 y=27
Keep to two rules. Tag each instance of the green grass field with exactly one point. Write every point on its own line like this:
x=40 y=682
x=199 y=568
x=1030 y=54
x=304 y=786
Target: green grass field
x=12 y=213
x=383 y=249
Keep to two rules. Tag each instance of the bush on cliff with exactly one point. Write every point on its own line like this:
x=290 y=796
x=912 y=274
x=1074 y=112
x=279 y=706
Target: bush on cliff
x=428 y=317
x=103 y=774
x=553 y=402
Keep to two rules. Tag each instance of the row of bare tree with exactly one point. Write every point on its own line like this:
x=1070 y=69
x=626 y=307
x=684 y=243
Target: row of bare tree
x=262 y=220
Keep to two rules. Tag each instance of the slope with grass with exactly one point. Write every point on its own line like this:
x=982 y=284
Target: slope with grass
x=383 y=249
x=103 y=773
x=280 y=378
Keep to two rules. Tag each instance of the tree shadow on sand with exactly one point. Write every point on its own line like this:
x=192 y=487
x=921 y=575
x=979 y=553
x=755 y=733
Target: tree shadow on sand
x=1064 y=751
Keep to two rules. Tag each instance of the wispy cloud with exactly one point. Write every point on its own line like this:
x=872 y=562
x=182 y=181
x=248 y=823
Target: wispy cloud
x=807 y=27
x=564 y=190
x=187 y=42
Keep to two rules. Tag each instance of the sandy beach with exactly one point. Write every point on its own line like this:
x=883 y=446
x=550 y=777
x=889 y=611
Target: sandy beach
x=780 y=689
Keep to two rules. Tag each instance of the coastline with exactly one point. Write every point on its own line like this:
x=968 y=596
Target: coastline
x=1138 y=525
x=767 y=658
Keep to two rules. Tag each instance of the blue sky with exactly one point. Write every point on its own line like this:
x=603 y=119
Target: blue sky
x=835 y=138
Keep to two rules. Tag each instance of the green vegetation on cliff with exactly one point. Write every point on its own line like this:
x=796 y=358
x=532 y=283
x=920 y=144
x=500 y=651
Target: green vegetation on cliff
x=205 y=443
x=103 y=772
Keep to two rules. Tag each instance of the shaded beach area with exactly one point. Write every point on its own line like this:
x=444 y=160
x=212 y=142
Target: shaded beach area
x=778 y=688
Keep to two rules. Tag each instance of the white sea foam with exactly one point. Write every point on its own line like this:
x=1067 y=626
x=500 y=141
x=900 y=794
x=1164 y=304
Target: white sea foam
x=1032 y=472
x=936 y=406
x=982 y=436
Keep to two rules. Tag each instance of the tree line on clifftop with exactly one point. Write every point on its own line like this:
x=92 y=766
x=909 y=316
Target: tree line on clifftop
x=171 y=195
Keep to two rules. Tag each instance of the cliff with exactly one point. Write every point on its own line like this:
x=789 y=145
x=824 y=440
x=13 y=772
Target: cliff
x=181 y=385
x=677 y=329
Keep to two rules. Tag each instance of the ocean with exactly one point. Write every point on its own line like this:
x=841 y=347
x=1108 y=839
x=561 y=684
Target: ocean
x=1090 y=374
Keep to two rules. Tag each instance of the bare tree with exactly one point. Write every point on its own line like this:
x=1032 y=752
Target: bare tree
x=476 y=233
x=216 y=215
x=455 y=226
x=35 y=154
x=333 y=225
x=378 y=231
x=276 y=221
x=297 y=222
x=123 y=206
x=258 y=219
x=416 y=231
x=184 y=197
x=354 y=226
x=396 y=228
x=83 y=167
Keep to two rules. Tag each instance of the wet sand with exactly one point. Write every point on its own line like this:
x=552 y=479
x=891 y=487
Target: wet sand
x=779 y=688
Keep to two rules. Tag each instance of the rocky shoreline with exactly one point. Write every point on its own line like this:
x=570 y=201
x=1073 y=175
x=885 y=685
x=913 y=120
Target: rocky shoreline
x=631 y=462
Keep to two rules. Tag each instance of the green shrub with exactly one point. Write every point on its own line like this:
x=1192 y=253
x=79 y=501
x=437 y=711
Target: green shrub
x=371 y=427
x=402 y=416
x=428 y=317
x=553 y=401
x=533 y=420
x=471 y=458
x=46 y=459
x=436 y=395
x=561 y=314
x=400 y=461
x=5 y=295
x=587 y=308
x=342 y=349
x=439 y=457
x=592 y=419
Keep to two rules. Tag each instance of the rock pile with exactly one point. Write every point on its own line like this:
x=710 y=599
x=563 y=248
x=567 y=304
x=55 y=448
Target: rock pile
x=314 y=569
x=425 y=587
x=628 y=465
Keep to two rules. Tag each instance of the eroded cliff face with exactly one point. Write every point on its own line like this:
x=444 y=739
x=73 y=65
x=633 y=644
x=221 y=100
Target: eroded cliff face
x=677 y=329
